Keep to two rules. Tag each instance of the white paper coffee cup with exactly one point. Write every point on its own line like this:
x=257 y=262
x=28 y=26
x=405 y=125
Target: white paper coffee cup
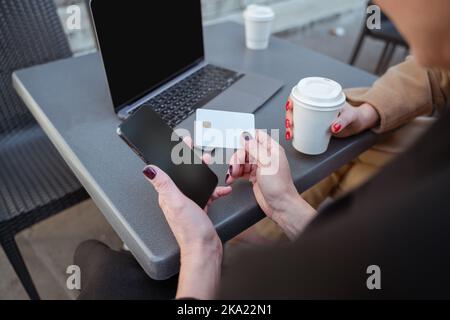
x=317 y=103
x=258 y=24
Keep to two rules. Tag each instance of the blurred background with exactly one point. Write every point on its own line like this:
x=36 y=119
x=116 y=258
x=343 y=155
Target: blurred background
x=331 y=27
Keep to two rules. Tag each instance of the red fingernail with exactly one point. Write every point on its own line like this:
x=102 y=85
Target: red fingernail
x=288 y=135
x=150 y=173
x=337 y=127
x=288 y=105
x=288 y=124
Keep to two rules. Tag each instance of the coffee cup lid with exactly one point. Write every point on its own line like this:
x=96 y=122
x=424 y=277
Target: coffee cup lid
x=259 y=13
x=319 y=92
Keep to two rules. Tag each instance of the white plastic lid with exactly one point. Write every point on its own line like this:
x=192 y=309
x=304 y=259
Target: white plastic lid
x=259 y=13
x=319 y=92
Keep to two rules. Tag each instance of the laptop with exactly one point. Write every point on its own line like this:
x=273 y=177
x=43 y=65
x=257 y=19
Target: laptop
x=154 y=57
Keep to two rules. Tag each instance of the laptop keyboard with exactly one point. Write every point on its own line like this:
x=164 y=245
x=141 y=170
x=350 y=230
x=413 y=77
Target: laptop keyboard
x=181 y=100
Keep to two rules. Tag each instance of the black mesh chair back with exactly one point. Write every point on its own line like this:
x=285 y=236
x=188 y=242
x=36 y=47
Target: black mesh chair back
x=30 y=33
x=35 y=182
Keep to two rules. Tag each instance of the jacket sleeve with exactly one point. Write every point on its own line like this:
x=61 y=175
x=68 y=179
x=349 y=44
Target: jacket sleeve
x=405 y=92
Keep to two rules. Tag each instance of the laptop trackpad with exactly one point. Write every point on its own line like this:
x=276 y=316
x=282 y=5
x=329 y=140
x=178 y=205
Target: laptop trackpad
x=246 y=95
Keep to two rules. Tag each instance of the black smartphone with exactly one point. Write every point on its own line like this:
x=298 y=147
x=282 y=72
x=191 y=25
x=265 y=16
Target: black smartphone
x=157 y=144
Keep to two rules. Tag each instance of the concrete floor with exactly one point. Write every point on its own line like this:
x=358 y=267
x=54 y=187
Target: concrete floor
x=49 y=246
x=48 y=249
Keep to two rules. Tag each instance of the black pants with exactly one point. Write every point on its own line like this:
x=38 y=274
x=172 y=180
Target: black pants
x=109 y=274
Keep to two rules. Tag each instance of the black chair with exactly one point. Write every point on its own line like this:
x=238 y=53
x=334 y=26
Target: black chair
x=388 y=34
x=35 y=182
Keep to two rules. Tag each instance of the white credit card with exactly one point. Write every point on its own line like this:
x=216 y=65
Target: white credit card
x=222 y=129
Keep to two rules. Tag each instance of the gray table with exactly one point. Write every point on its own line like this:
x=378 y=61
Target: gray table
x=70 y=100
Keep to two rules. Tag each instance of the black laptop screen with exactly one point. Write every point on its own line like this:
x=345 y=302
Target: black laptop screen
x=145 y=43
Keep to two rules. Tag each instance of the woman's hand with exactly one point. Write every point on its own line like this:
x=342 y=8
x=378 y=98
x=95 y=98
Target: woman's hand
x=263 y=162
x=200 y=246
x=351 y=120
x=189 y=223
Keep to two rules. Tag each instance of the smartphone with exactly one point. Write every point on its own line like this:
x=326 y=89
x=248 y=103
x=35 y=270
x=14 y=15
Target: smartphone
x=154 y=142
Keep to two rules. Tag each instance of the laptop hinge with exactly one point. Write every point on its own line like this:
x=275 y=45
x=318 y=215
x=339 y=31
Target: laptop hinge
x=126 y=111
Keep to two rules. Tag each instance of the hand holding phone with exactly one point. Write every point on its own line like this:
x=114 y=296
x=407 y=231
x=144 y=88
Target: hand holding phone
x=153 y=141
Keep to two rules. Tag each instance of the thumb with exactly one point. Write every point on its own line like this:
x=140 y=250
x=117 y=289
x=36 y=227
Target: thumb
x=346 y=118
x=161 y=182
x=258 y=153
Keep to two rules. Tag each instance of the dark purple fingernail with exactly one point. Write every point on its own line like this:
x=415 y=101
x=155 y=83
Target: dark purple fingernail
x=247 y=136
x=226 y=178
x=150 y=173
x=230 y=169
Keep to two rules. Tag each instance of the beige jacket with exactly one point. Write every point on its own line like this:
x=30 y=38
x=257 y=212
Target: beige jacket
x=405 y=92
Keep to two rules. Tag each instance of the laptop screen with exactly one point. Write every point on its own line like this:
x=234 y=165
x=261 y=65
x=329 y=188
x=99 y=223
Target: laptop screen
x=146 y=43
